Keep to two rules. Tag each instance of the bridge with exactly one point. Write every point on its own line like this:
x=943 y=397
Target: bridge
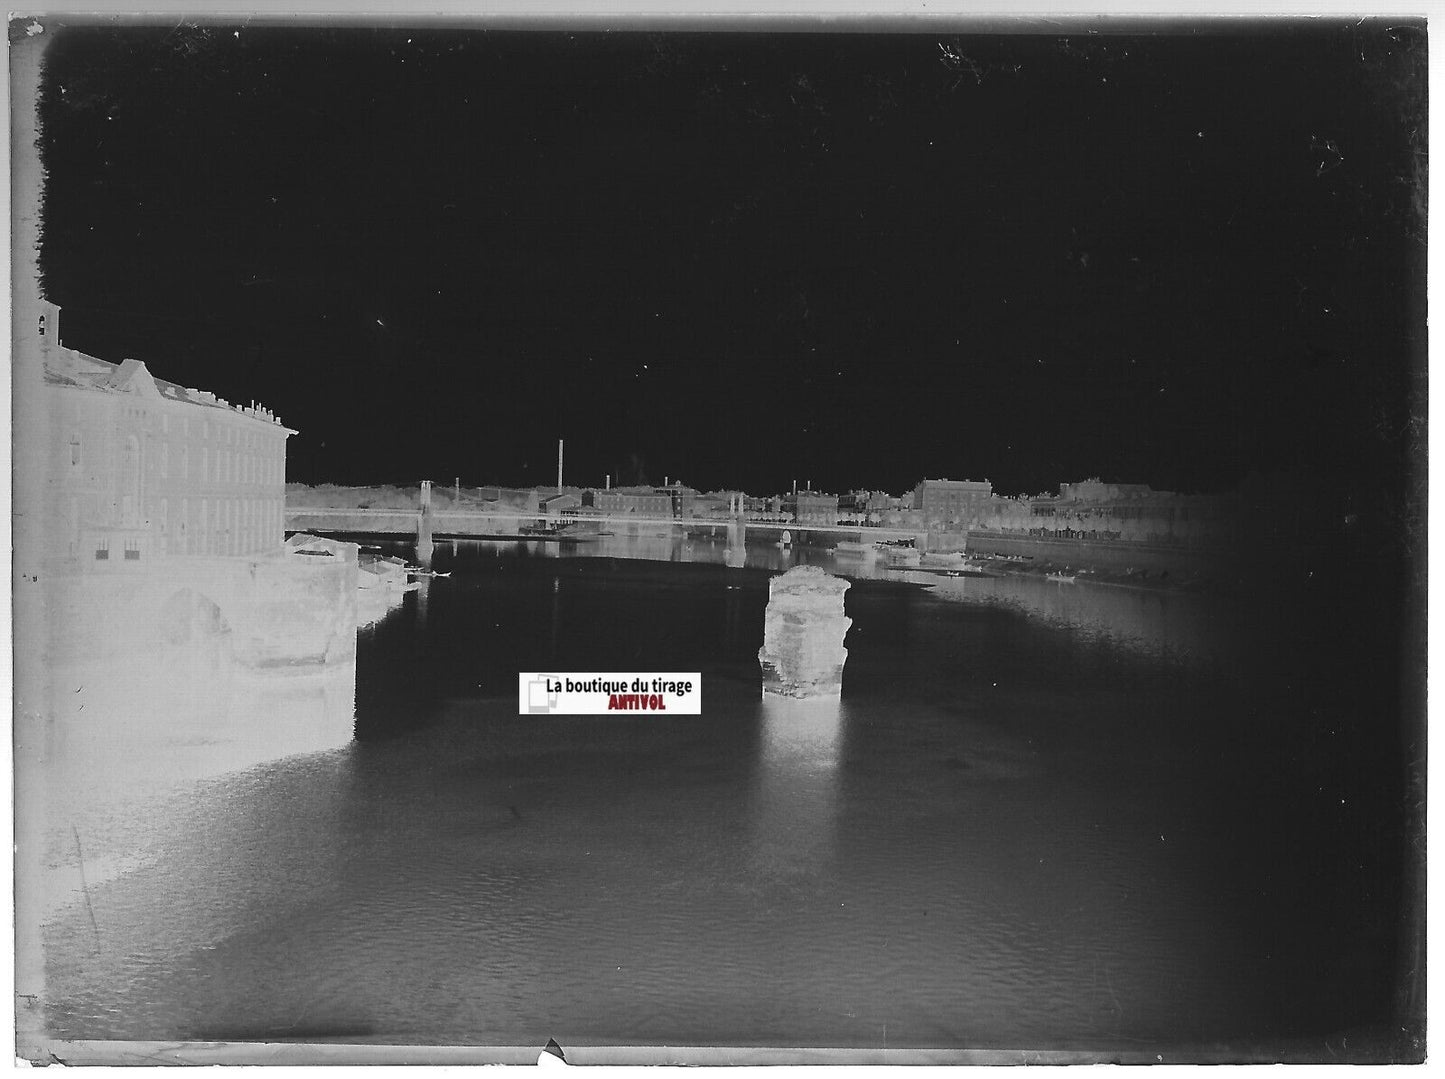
x=506 y=524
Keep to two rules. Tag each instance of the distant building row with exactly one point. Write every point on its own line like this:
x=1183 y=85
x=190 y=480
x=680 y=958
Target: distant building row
x=1090 y=508
x=931 y=502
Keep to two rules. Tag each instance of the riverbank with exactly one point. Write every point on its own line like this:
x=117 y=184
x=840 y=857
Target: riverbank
x=1128 y=577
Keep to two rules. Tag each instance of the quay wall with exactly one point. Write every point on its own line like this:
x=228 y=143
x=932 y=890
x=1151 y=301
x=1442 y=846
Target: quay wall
x=1105 y=554
x=144 y=679
x=262 y=612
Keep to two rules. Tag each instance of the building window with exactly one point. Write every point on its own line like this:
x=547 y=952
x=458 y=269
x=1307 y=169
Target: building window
x=165 y=459
x=130 y=482
x=132 y=550
x=185 y=463
x=205 y=428
x=75 y=450
x=102 y=549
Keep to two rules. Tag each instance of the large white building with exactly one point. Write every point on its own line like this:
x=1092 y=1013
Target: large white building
x=138 y=469
x=952 y=503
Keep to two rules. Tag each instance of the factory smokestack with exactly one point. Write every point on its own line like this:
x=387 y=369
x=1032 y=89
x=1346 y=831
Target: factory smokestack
x=559 y=466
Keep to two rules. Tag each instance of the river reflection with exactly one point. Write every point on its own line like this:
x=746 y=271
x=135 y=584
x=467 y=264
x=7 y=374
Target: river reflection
x=799 y=755
x=1019 y=826
x=1183 y=626
x=123 y=739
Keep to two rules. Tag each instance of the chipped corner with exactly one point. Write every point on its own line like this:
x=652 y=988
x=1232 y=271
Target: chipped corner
x=25 y=28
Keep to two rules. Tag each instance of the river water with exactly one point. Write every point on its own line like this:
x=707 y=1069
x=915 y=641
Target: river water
x=1042 y=816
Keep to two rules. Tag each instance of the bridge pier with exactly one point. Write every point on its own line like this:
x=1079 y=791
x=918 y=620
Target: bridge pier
x=424 y=546
x=735 y=554
x=804 y=628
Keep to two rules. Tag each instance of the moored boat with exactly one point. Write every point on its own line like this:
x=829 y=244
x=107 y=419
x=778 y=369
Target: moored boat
x=902 y=556
x=944 y=559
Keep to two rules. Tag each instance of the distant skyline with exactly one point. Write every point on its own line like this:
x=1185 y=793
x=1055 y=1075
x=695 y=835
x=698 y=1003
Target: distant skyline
x=738 y=259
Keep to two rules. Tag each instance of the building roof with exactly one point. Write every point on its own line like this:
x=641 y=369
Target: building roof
x=72 y=368
x=959 y=485
x=320 y=546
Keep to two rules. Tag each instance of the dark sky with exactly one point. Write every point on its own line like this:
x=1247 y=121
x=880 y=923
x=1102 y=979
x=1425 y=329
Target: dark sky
x=1170 y=257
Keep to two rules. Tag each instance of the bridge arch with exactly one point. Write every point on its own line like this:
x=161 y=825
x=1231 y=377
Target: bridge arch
x=191 y=617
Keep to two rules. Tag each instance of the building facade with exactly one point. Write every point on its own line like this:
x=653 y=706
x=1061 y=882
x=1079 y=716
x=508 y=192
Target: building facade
x=139 y=469
x=812 y=507
x=638 y=501
x=683 y=500
x=952 y=503
x=557 y=505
